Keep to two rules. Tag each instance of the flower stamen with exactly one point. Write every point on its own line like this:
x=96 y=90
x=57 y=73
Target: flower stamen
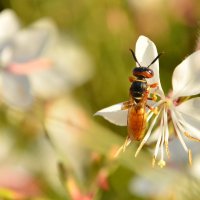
x=123 y=147
x=190 y=157
x=190 y=137
x=161 y=163
x=153 y=161
x=166 y=132
x=177 y=128
x=167 y=149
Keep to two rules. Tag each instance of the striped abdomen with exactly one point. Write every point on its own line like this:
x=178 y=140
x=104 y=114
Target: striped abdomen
x=136 y=123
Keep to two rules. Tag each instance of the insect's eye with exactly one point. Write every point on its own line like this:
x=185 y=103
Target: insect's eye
x=143 y=72
x=150 y=71
x=139 y=70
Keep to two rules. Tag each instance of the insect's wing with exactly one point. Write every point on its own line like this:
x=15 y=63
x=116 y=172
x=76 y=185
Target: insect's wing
x=116 y=114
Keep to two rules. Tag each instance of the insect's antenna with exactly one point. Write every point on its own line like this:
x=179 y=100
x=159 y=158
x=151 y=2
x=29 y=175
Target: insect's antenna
x=154 y=60
x=134 y=57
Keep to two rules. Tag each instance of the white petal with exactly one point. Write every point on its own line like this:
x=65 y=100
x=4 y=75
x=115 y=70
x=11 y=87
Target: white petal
x=66 y=130
x=175 y=121
x=190 y=108
x=16 y=90
x=114 y=114
x=40 y=34
x=151 y=187
x=145 y=52
x=190 y=124
x=9 y=25
x=71 y=67
x=185 y=78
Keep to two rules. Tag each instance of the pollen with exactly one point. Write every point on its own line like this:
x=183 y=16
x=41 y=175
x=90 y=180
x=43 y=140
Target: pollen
x=168 y=103
x=161 y=163
x=167 y=149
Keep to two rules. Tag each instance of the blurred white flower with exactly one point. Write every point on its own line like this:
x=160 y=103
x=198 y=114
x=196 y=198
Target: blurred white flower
x=66 y=124
x=184 y=115
x=38 y=61
x=145 y=187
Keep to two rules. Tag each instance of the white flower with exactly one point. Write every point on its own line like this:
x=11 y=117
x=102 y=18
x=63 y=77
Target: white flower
x=184 y=115
x=37 y=61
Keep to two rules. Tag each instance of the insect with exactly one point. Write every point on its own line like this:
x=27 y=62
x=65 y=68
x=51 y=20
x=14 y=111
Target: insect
x=139 y=94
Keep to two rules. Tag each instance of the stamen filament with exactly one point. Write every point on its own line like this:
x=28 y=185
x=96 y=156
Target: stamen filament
x=127 y=142
x=166 y=132
x=175 y=122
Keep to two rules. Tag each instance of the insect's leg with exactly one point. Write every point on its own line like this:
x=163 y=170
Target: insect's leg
x=154 y=85
x=154 y=96
x=132 y=78
x=127 y=104
x=154 y=110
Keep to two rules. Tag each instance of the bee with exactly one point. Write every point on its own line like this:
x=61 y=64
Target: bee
x=139 y=94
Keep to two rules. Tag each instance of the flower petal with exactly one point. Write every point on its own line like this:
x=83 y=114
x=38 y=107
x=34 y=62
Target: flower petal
x=71 y=67
x=16 y=90
x=190 y=116
x=41 y=34
x=114 y=114
x=9 y=25
x=192 y=127
x=185 y=79
x=190 y=108
x=175 y=121
x=66 y=123
x=146 y=52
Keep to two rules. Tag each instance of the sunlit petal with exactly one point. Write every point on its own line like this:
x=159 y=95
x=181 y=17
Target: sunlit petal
x=191 y=126
x=9 y=25
x=189 y=116
x=185 y=78
x=145 y=52
x=190 y=108
x=114 y=114
x=177 y=129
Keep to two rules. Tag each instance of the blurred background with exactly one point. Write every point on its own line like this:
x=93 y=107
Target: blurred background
x=61 y=61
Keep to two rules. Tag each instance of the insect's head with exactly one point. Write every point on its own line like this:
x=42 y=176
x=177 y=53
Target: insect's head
x=141 y=71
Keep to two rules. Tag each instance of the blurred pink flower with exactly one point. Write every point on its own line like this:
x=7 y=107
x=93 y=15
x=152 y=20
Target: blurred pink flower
x=18 y=181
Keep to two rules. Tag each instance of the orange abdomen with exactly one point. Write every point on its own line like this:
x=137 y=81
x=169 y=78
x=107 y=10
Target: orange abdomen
x=136 y=123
